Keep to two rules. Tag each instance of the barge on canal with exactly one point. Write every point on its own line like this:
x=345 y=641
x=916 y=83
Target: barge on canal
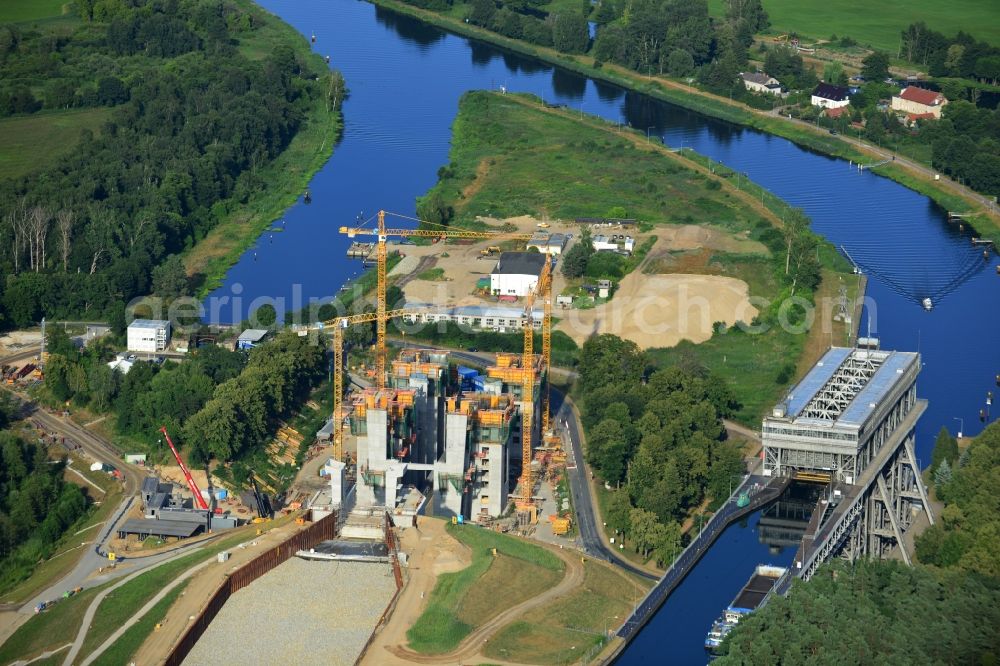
x=747 y=601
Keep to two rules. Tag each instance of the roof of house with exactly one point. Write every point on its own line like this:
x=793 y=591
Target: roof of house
x=757 y=77
x=922 y=96
x=171 y=528
x=831 y=92
x=836 y=113
x=520 y=263
x=920 y=116
x=149 y=323
x=252 y=335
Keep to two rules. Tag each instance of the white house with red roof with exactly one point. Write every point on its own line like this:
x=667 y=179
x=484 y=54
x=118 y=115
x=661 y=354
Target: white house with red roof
x=919 y=103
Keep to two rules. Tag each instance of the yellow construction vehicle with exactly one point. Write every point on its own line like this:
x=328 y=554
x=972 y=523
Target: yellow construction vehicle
x=490 y=251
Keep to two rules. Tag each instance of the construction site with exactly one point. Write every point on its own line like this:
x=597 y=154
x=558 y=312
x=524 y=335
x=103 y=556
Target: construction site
x=422 y=432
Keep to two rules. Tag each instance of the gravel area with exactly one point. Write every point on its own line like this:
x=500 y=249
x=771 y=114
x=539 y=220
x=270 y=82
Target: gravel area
x=299 y=613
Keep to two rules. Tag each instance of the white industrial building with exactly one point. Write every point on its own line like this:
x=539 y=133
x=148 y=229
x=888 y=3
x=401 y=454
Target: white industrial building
x=517 y=273
x=613 y=243
x=551 y=244
x=494 y=318
x=148 y=335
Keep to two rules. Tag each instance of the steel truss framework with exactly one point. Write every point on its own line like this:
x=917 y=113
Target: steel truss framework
x=852 y=375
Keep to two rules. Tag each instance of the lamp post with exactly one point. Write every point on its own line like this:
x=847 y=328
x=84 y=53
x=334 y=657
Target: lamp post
x=606 y=624
x=961 y=425
x=647 y=132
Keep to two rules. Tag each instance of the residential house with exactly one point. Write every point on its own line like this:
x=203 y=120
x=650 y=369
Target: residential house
x=760 y=82
x=829 y=96
x=919 y=103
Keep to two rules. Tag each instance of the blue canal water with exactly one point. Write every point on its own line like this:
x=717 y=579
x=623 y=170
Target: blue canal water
x=405 y=80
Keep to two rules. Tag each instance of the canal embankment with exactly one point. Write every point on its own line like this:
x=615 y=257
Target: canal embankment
x=947 y=194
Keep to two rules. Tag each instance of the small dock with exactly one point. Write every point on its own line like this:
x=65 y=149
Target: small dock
x=360 y=250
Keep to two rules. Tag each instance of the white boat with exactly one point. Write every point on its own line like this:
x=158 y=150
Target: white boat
x=928 y=304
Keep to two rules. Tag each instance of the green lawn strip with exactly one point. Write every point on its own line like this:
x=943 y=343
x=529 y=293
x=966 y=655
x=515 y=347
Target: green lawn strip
x=128 y=643
x=697 y=101
x=287 y=176
x=28 y=143
x=59 y=625
x=49 y=630
x=879 y=28
x=21 y=11
x=563 y=630
x=441 y=627
x=124 y=602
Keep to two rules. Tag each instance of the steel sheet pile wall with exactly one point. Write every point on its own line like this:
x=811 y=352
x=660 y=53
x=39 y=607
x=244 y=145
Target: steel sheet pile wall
x=323 y=529
x=397 y=572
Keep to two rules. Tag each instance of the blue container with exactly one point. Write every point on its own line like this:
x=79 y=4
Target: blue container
x=221 y=494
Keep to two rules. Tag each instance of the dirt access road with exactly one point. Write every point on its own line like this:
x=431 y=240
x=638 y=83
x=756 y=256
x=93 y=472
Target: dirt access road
x=436 y=552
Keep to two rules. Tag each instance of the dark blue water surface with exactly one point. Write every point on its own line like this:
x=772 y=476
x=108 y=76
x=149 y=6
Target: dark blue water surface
x=405 y=80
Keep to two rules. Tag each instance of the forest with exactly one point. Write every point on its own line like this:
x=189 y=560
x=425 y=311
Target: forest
x=218 y=404
x=658 y=437
x=946 y=609
x=191 y=122
x=36 y=506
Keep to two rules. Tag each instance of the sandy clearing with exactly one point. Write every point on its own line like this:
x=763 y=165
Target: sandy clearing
x=691 y=236
x=662 y=310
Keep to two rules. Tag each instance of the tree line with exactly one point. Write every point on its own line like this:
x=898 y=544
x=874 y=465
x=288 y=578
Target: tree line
x=36 y=506
x=657 y=437
x=193 y=121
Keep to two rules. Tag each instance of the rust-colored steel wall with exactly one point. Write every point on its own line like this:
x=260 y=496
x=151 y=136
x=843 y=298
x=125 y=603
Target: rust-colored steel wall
x=322 y=529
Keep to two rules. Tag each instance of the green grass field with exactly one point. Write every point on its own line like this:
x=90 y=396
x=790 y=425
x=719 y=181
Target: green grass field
x=464 y=599
x=28 y=143
x=879 y=24
x=20 y=11
x=133 y=638
x=562 y=631
x=511 y=157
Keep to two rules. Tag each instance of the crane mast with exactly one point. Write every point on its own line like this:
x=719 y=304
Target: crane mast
x=199 y=500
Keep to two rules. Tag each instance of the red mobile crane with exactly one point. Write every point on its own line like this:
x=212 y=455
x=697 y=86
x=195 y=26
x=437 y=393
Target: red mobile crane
x=199 y=500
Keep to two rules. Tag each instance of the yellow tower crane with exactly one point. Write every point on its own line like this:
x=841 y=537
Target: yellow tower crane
x=381 y=254
x=544 y=289
x=339 y=324
x=382 y=315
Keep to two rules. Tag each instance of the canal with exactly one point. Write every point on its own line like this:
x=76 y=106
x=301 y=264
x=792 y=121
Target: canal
x=405 y=80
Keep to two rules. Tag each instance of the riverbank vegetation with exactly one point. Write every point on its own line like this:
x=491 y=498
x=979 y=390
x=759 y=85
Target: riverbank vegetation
x=198 y=99
x=954 y=589
x=684 y=90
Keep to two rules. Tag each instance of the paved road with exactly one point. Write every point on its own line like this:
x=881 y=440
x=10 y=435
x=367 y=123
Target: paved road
x=94 y=556
x=583 y=502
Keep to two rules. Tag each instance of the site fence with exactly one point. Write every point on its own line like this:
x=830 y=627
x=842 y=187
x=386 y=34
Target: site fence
x=323 y=529
x=392 y=545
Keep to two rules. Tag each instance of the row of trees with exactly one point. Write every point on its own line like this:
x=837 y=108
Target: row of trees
x=657 y=436
x=649 y=36
x=36 y=506
x=959 y=56
x=193 y=123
